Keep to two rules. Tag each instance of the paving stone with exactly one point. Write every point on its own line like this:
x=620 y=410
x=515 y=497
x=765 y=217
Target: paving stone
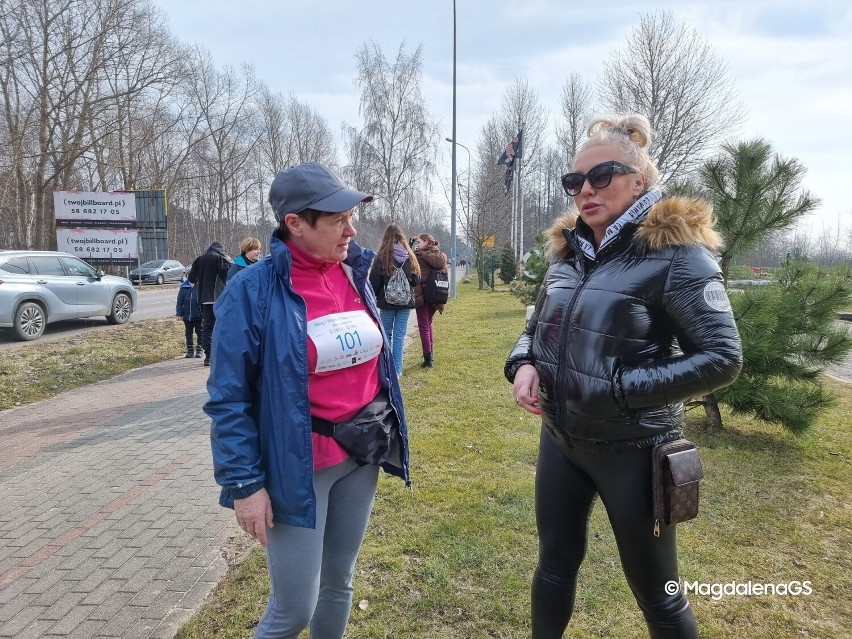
x=21 y=621
x=62 y=606
x=72 y=619
x=127 y=618
x=103 y=591
x=125 y=538
x=35 y=630
x=87 y=630
x=111 y=605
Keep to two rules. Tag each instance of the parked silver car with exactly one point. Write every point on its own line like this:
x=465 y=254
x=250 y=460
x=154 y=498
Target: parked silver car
x=158 y=271
x=40 y=287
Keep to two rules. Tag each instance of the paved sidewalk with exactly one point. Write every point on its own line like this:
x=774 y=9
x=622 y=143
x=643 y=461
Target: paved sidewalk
x=110 y=525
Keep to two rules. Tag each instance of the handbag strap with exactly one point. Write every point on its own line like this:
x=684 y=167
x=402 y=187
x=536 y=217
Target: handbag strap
x=322 y=426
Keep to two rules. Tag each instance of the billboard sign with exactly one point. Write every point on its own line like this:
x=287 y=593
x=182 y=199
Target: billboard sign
x=81 y=208
x=116 y=246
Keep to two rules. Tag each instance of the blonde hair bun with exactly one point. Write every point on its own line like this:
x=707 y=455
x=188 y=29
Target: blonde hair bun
x=634 y=127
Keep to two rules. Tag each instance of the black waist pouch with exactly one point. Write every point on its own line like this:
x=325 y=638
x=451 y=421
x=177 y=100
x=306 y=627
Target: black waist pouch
x=370 y=437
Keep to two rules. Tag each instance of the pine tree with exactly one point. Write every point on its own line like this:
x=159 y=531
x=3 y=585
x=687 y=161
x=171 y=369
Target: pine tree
x=508 y=265
x=789 y=333
x=532 y=272
x=788 y=328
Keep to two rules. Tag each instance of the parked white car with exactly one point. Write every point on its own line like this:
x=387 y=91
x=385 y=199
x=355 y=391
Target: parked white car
x=40 y=287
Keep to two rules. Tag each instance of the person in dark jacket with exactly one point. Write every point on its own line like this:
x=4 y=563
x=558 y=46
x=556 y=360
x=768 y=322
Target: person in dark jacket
x=394 y=253
x=189 y=310
x=429 y=257
x=304 y=345
x=209 y=273
x=249 y=252
x=632 y=320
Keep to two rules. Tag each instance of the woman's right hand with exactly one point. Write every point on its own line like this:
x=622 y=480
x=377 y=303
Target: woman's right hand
x=254 y=514
x=525 y=389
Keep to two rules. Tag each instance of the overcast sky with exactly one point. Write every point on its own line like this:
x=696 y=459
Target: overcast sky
x=791 y=62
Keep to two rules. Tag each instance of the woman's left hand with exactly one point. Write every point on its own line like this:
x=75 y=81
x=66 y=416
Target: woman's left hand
x=254 y=514
x=525 y=389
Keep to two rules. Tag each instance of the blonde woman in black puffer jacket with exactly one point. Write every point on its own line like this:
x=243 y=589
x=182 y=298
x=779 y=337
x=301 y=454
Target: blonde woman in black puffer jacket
x=632 y=320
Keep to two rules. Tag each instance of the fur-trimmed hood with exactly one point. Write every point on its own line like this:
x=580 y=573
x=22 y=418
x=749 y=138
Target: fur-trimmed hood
x=673 y=221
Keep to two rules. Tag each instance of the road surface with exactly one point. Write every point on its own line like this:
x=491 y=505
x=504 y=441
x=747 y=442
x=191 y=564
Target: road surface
x=152 y=301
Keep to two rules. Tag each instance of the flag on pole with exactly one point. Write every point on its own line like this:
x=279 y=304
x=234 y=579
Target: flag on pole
x=513 y=150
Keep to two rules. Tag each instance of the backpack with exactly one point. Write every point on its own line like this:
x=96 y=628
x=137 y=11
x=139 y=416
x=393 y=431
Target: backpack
x=398 y=289
x=436 y=288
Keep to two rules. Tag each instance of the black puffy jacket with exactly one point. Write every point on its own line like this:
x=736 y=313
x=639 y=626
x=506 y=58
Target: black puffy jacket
x=621 y=341
x=209 y=272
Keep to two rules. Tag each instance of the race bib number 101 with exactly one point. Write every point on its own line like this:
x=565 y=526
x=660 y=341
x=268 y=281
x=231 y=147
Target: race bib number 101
x=344 y=339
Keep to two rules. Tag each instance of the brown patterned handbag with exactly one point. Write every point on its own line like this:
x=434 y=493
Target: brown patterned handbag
x=676 y=470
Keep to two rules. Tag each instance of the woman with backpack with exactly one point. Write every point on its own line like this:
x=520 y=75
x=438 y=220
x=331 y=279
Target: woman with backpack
x=432 y=292
x=393 y=276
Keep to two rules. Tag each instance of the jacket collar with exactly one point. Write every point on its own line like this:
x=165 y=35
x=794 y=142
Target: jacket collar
x=358 y=258
x=673 y=221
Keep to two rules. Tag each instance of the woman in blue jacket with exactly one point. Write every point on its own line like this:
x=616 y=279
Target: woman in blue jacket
x=249 y=252
x=302 y=345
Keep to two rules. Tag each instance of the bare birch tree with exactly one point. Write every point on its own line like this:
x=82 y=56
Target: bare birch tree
x=226 y=101
x=669 y=73
x=293 y=132
x=576 y=103
x=396 y=146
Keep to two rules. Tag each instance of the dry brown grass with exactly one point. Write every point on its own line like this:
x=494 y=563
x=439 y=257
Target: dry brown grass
x=31 y=372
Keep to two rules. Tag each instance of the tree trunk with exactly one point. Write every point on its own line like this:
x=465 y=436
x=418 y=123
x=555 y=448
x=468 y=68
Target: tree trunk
x=711 y=410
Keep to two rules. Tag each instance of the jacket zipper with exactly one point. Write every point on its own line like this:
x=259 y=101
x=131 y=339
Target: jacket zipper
x=589 y=267
x=565 y=329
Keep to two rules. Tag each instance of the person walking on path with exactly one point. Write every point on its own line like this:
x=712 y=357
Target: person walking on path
x=209 y=273
x=394 y=254
x=430 y=258
x=304 y=350
x=189 y=310
x=631 y=321
x=249 y=252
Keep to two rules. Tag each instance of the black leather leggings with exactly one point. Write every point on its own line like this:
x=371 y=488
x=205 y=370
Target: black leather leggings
x=567 y=482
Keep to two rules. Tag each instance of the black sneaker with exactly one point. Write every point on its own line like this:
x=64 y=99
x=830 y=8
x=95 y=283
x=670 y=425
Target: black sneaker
x=207 y=361
x=199 y=352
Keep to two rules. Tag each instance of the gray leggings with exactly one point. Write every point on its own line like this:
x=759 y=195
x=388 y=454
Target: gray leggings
x=310 y=570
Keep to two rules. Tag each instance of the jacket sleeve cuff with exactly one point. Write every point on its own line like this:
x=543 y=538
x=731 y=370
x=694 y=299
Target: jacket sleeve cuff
x=245 y=490
x=512 y=366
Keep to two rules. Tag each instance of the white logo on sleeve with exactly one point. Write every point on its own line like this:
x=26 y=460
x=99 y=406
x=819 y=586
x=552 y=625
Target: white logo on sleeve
x=716 y=297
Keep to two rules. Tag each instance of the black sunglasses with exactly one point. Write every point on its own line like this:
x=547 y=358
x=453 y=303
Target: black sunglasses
x=599 y=176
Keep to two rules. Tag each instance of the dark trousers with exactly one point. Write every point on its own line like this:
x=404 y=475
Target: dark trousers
x=208 y=321
x=567 y=483
x=190 y=328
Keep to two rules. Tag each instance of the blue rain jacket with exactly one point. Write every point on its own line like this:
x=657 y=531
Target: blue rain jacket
x=258 y=385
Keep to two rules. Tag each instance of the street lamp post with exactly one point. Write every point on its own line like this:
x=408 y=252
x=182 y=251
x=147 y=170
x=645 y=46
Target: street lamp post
x=451 y=141
x=454 y=186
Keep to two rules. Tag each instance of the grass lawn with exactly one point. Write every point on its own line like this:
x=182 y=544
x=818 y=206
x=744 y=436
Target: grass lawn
x=452 y=558
x=31 y=372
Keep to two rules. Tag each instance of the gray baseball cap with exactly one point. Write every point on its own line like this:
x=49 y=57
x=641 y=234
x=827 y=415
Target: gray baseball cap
x=311 y=186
